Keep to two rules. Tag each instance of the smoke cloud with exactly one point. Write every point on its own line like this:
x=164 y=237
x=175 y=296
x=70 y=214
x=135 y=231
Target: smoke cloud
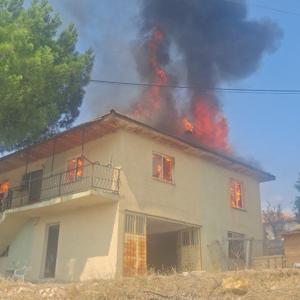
x=216 y=42
x=206 y=43
x=215 y=37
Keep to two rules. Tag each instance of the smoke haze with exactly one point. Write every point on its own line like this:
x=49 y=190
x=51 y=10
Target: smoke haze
x=206 y=43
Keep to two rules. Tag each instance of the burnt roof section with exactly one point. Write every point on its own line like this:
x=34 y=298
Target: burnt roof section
x=109 y=123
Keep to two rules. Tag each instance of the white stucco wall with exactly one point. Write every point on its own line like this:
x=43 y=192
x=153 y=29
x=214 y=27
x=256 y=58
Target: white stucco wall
x=20 y=250
x=200 y=193
x=86 y=248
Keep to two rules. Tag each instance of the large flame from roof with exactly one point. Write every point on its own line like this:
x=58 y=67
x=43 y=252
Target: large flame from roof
x=151 y=100
x=209 y=126
x=204 y=122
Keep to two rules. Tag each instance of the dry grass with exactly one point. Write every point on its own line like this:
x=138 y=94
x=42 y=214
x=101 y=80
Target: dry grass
x=279 y=284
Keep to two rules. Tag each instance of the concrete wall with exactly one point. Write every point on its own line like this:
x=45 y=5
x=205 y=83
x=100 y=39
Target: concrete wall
x=86 y=248
x=20 y=250
x=3 y=265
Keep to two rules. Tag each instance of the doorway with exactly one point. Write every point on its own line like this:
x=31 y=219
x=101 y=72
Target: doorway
x=172 y=246
x=51 y=250
x=159 y=245
x=36 y=180
x=162 y=252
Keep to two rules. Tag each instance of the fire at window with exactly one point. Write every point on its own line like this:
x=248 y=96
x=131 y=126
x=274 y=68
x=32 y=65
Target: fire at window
x=162 y=167
x=4 y=191
x=75 y=168
x=236 y=194
x=4 y=187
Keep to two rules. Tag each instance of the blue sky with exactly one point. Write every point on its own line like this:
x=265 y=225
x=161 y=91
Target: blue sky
x=262 y=127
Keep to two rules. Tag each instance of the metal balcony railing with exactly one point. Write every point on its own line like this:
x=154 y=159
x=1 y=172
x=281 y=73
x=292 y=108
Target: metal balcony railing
x=89 y=176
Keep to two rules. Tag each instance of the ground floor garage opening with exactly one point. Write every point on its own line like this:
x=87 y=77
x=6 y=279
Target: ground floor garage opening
x=163 y=245
x=160 y=245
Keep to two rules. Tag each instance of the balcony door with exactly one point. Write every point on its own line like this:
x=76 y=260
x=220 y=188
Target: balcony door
x=36 y=179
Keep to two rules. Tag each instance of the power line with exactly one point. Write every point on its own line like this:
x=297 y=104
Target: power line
x=217 y=89
x=286 y=12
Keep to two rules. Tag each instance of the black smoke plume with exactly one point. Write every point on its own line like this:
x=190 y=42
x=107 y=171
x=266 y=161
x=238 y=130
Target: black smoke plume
x=218 y=42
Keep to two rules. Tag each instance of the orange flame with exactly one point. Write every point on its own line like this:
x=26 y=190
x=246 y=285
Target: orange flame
x=4 y=187
x=206 y=122
x=210 y=126
x=151 y=99
x=187 y=125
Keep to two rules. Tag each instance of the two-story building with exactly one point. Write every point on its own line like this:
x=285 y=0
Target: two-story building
x=116 y=197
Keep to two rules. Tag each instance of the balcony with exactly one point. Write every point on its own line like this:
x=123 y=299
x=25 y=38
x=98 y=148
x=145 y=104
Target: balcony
x=89 y=182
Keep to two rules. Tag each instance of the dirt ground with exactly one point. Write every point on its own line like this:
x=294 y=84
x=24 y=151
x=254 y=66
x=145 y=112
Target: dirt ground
x=278 y=284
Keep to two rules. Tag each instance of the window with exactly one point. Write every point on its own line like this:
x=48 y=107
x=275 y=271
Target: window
x=135 y=224
x=236 y=194
x=5 y=195
x=162 y=167
x=236 y=248
x=4 y=188
x=190 y=237
x=75 y=168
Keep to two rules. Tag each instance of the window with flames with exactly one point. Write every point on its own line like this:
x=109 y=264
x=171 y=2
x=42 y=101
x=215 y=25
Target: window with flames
x=75 y=169
x=236 y=194
x=162 y=167
x=4 y=193
x=4 y=188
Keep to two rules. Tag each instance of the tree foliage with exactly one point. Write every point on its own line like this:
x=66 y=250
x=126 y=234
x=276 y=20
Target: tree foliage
x=297 y=201
x=42 y=75
x=275 y=219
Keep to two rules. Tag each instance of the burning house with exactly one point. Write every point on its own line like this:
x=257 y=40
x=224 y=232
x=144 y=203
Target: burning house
x=117 y=197
x=156 y=187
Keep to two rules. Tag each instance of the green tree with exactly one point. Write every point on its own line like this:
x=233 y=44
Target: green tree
x=297 y=201
x=42 y=76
